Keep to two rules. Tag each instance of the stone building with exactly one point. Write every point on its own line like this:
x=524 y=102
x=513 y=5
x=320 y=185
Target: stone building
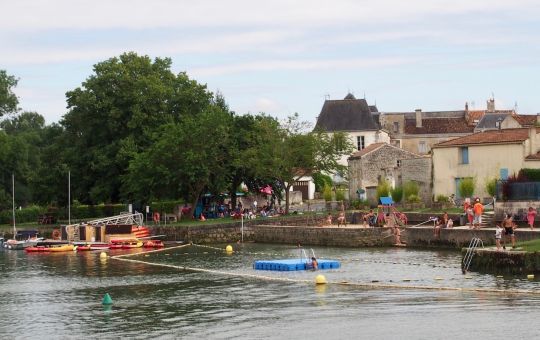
x=372 y=164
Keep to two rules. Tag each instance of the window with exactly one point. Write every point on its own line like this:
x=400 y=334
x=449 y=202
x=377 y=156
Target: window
x=360 y=142
x=464 y=155
x=422 y=147
x=504 y=173
x=399 y=163
x=396 y=127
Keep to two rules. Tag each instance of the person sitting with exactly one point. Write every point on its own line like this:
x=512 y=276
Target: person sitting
x=202 y=218
x=369 y=218
x=328 y=220
x=341 y=219
x=437 y=227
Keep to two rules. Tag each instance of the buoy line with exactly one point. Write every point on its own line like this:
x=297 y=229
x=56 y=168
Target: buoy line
x=149 y=251
x=340 y=283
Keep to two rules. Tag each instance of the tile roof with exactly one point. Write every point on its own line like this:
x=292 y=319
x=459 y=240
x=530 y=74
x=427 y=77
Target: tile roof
x=346 y=115
x=368 y=149
x=375 y=146
x=509 y=136
x=526 y=120
x=535 y=157
x=438 y=126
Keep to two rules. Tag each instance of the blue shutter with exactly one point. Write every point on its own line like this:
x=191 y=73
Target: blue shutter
x=504 y=173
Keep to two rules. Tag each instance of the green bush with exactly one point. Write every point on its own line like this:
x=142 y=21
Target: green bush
x=442 y=198
x=413 y=198
x=491 y=187
x=321 y=181
x=165 y=206
x=25 y=215
x=327 y=193
x=397 y=194
x=532 y=175
x=410 y=188
x=466 y=187
x=340 y=195
x=383 y=189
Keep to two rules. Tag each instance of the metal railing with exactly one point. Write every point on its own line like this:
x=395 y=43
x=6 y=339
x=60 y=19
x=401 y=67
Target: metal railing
x=467 y=259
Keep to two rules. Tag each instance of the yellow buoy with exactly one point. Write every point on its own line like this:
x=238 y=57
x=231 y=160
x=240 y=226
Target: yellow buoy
x=228 y=249
x=320 y=279
x=103 y=255
x=530 y=276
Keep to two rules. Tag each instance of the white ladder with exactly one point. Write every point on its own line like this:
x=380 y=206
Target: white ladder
x=467 y=259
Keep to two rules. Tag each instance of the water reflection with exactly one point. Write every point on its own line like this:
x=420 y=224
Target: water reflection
x=61 y=296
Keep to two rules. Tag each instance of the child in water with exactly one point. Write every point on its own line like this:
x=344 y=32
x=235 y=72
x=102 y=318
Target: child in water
x=313 y=265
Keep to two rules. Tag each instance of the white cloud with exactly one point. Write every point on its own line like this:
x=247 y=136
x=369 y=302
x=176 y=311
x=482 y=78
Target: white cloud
x=267 y=105
x=301 y=64
x=143 y=14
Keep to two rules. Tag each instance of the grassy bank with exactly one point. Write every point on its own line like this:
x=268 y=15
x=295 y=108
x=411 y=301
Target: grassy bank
x=530 y=246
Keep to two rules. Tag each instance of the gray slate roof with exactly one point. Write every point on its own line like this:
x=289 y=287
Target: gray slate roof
x=489 y=120
x=349 y=114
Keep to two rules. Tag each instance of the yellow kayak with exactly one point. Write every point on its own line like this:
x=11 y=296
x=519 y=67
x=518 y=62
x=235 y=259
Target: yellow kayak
x=64 y=247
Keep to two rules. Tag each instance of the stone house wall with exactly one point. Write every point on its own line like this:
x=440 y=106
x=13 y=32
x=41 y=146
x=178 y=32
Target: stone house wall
x=419 y=170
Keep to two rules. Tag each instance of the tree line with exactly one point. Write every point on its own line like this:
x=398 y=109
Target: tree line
x=134 y=131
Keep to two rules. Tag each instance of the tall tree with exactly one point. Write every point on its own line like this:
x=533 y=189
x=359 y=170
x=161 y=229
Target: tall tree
x=186 y=158
x=8 y=100
x=289 y=152
x=114 y=114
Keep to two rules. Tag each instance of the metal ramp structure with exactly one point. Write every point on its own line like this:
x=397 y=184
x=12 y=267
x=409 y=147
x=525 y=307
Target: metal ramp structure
x=73 y=230
x=125 y=218
x=467 y=259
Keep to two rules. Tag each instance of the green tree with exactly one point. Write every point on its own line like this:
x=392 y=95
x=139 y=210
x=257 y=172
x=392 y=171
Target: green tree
x=182 y=161
x=115 y=113
x=8 y=100
x=383 y=189
x=397 y=194
x=491 y=186
x=466 y=187
x=321 y=180
x=410 y=189
x=290 y=153
x=327 y=193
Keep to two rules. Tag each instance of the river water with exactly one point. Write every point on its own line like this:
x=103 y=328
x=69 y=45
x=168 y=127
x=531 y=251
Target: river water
x=59 y=296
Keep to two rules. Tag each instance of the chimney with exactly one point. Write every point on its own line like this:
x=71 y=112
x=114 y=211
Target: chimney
x=418 y=113
x=467 y=106
x=532 y=140
x=491 y=105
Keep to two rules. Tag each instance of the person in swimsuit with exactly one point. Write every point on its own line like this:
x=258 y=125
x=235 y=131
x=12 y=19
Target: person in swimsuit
x=531 y=214
x=498 y=234
x=509 y=226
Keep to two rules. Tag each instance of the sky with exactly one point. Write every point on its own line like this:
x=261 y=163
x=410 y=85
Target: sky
x=282 y=57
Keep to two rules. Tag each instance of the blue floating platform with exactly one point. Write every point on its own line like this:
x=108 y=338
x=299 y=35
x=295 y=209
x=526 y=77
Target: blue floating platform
x=293 y=264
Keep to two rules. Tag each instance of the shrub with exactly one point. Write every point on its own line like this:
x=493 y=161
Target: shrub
x=442 y=198
x=491 y=187
x=413 y=198
x=466 y=187
x=397 y=194
x=327 y=193
x=383 y=189
x=410 y=188
x=340 y=195
x=357 y=204
x=321 y=181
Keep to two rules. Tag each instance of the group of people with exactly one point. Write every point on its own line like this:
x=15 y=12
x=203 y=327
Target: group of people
x=474 y=212
x=442 y=222
x=341 y=220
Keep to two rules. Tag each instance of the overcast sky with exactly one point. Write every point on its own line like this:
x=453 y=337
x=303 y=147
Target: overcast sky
x=282 y=57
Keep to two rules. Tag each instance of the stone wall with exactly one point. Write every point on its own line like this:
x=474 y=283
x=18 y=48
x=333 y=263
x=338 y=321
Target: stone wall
x=419 y=171
x=326 y=236
x=514 y=207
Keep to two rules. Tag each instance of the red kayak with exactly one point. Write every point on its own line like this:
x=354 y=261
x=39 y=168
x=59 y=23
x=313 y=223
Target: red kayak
x=153 y=244
x=36 y=249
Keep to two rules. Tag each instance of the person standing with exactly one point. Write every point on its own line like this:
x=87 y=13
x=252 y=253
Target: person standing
x=478 y=209
x=498 y=234
x=531 y=214
x=509 y=226
x=468 y=210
